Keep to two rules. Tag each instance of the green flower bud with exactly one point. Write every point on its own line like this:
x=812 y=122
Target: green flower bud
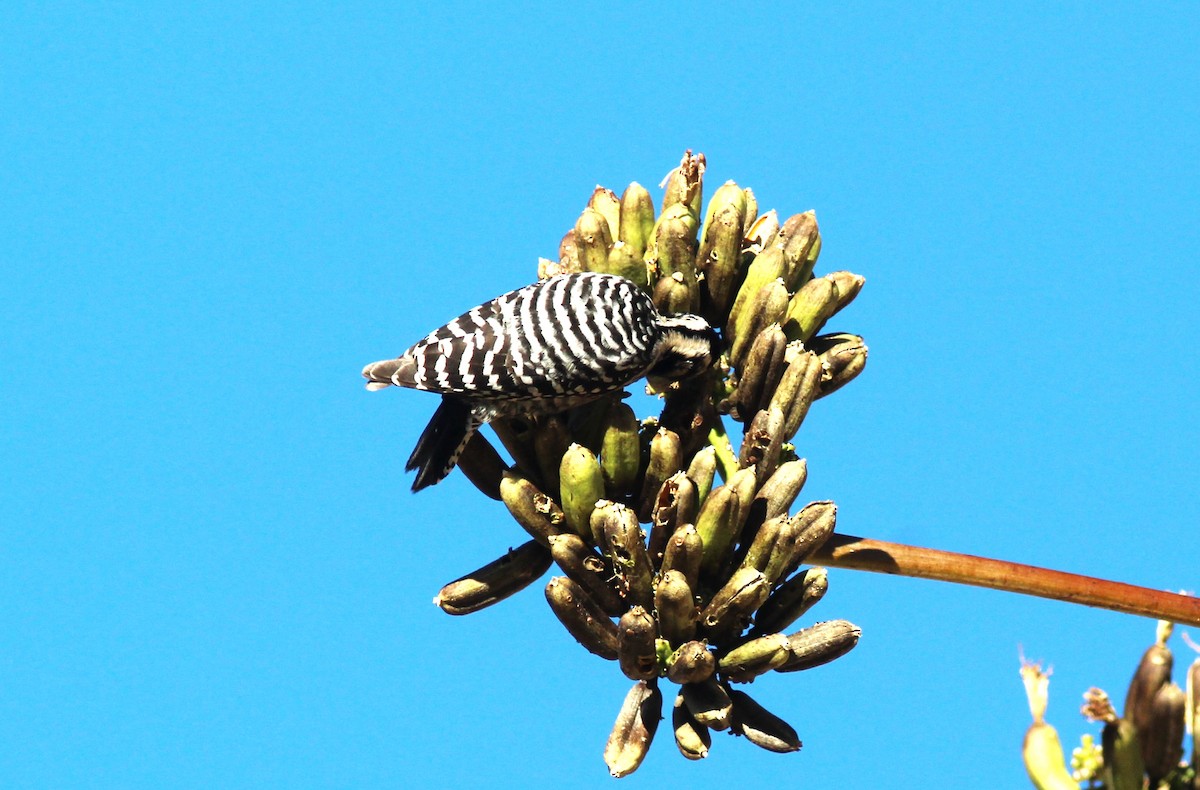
x=620 y=453
x=755 y=657
x=810 y=308
x=636 y=219
x=592 y=240
x=606 y=204
x=582 y=486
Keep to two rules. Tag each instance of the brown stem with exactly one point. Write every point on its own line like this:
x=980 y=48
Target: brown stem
x=864 y=554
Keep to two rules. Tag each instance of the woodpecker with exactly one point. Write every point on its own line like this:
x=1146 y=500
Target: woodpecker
x=541 y=349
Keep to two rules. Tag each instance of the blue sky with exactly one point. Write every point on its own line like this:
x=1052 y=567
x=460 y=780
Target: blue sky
x=212 y=572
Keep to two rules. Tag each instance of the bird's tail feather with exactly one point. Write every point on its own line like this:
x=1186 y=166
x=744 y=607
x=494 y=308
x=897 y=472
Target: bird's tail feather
x=442 y=442
x=387 y=372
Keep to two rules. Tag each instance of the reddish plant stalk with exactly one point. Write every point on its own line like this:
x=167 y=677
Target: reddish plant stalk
x=865 y=554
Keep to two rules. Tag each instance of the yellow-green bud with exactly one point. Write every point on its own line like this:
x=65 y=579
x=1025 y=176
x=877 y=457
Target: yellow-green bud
x=582 y=486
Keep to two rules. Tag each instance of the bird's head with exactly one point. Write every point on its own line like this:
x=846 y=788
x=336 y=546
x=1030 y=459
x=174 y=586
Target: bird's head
x=689 y=346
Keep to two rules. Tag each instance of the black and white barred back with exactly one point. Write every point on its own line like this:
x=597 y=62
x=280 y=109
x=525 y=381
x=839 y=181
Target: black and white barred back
x=543 y=348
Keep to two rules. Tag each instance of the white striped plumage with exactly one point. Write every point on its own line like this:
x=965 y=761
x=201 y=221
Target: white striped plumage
x=543 y=348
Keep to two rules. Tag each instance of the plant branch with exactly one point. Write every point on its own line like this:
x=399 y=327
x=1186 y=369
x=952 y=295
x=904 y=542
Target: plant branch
x=865 y=554
x=727 y=460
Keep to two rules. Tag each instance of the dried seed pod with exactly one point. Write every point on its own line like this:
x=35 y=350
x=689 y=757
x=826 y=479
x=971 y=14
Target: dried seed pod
x=693 y=738
x=674 y=293
x=606 y=203
x=586 y=567
x=761 y=444
x=709 y=704
x=582 y=616
x=622 y=541
x=568 y=254
x=620 y=452
x=760 y=726
x=790 y=601
x=685 y=184
x=550 y=442
x=693 y=662
x=819 y=644
x=666 y=458
x=534 y=511
x=799 y=235
x=1162 y=738
x=843 y=356
x=634 y=729
x=803 y=535
x=1153 y=672
x=797 y=389
x=684 y=553
x=495 y=581
x=676 y=607
x=636 y=651
x=592 y=240
x=769 y=306
x=482 y=465
x=582 y=487
x=810 y=308
x=674 y=248
x=729 y=611
x=759 y=551
x=702 y=471
x=720 y=253
x=761 y=372
x=782 y=487
x=848 y=285
x=676 y=504
x=755 y=657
